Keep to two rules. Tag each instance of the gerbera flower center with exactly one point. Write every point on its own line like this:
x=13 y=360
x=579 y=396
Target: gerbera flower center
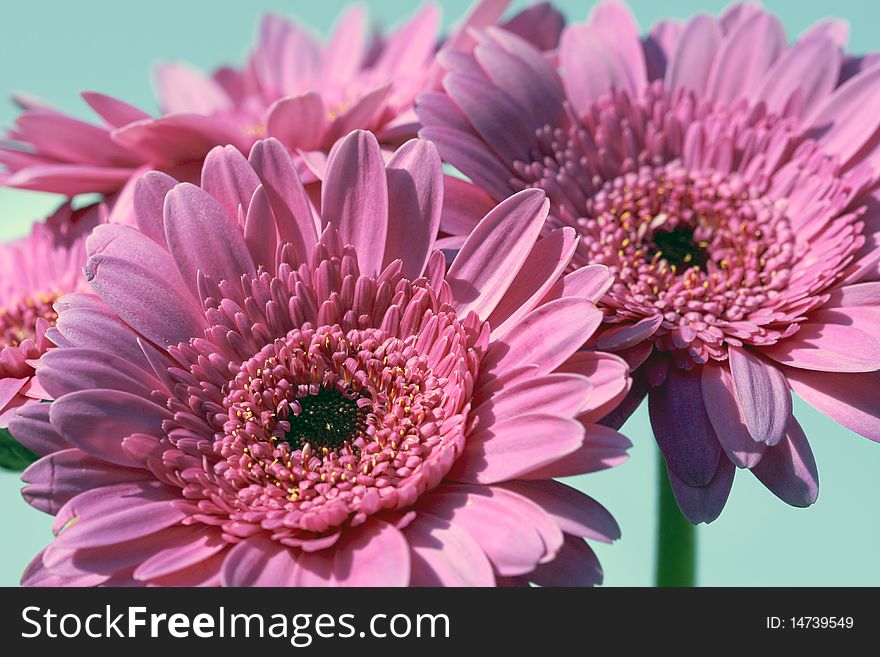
x=328 y=419
x=19 y=317
x=677 y=247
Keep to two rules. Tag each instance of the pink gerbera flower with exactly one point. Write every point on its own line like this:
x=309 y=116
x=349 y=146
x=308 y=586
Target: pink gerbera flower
x=729 y=182
x=255 y=395
x=35 y=271
x=305 y=93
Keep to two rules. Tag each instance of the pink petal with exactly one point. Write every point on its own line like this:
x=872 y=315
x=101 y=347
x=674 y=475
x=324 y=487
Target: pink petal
x=260 y=233
x=31 y=428
x=727 y=417
x=744 y=57
x=9 y=388
x=853 y=400
x=464 y=205
x=590 y=67
x=298 y=121
x=71 y=369
x=546 y=337
x=828 y=348
x=575 y=513
x=615 y=23
x=179 y=137
x=346 y=48
x=762 y=393
x=183 y=89
x=149 y=201
x=96 y=421
x=590 y=282
x=547 y=260
x=415 y=201
x=190 y=548
x=609 y=381
x=810 y=68
x=258 y=562
x=138 y=279
x=788 y=469
x=602 y=448
x=362 y=114
x=70 y=179
x=228 y=177
x=354 y=197
x=859 y=294
x=202 y=237
x=443 y=554
x=554 y=394
x=112 y=110
x=372 y=554
x=495 y=251
x=692 y=59
x=682 y=427
x=624 y=336
x=508 y=449
x=575 y=565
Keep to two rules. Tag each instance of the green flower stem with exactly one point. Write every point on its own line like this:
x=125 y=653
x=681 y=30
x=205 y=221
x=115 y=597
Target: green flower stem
x=676 y=538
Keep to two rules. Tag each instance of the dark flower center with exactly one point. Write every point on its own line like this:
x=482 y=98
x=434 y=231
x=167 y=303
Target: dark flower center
x=677 y=247
x=327 y=419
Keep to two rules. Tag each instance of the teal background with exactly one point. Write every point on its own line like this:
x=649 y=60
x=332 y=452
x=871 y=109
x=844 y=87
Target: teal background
x=54 y=49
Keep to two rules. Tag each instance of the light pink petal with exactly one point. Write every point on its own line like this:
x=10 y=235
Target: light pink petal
x=744 y=57
x=259 y=230
x=258 y=562
x=540 y=24
x=415 y=201
x=409 y=48
x=575 y=513
x=290 y=204
x=614 y=21
x=114 y=111
x=609 y=380
x=836 y=30
x=846 y=119
x=56 y=478
x=177 y=138
x=500 y=529
x=590 y=67
x=788 y=469
x=590 y=282
x=188 y=549
x=228 y=177
x=138 y=279
x=828 y=348
x=727 y=417
x=693 y=58
x=70 y=179
x=354 y=197
x=443 y=554
x=510 y=448
x=682 y=427
x=554 y=394
x=9 y=388
x=298 y=121
x=149 y=201
x=96 y=421
x=464 y=205
x=183 y=89
x=575 y=565
x=346 y=47
x=704 y=503
x=810 y=68
x=859 y=294
x=364 y=113
x=762 y=393
x=853 y=400
x=547 y=260
x=546 y=337
x=493 y=254
x=372 y=554
x=624 y=336
x=202 y=237
x=136 y=510
x=602 y=448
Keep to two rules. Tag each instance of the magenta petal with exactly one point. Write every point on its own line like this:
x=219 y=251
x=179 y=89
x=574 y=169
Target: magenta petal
x=373 y=554
x=298 y=121
x=259 y=230
x=495 y=251
x=179 y=137
x=194 y=546
x=202 y=237
x=464 y=205
x=788 y=469
x=853 y=400
x=554 y=394
x=354 y=197
x=96 y=421
x=443 y=554
x=602 y=448
x=727 y=417
x=762 y=393
x=590 y=282
x=704 y=503
x=228 y=177
x=624 y=336
x=114 y=111
x=70 y=179
x=827 y=348
x=71 y=369
x=31 y=427
x=415 y=201
x=682 y=427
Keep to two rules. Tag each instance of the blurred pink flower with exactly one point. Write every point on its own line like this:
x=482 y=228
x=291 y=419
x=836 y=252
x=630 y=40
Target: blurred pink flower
x=729 y=182
x=34 y=271
x=305 y=93
x=255 y=395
